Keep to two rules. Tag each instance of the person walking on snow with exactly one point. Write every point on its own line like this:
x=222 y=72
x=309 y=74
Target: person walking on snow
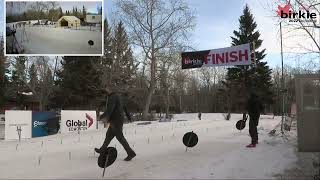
x=254 y=108
x=114 y=115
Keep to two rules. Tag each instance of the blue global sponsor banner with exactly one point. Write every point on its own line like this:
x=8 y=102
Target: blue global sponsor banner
x=40 y=121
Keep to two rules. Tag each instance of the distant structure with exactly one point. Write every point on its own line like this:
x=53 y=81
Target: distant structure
x=68 y=21
x=94 y=19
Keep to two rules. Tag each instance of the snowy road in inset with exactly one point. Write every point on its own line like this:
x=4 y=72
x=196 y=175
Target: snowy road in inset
x=50 y=40
x=220 y=153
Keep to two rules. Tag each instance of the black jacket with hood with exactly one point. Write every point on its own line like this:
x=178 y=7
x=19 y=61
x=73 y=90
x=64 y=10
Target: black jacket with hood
x=115 y=110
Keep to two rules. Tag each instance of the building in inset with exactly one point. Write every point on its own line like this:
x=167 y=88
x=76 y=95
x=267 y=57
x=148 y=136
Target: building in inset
x=68 y=21
x=92 y=18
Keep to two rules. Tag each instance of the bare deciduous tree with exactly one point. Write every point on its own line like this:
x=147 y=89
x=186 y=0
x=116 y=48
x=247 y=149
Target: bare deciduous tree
x=155 y=25
x=39 y=6
x=43 y=88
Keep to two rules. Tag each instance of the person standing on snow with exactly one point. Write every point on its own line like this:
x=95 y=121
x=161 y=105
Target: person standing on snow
x=254 y=108
x=114 y=115
x=199 y=115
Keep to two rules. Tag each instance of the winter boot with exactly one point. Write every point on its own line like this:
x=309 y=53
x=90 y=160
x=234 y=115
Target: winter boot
x=251 y=146
x=129 y=157
x=98 y=150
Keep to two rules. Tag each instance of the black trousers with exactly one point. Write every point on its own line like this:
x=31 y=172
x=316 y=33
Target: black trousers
x=116 y=131
x=253 y=131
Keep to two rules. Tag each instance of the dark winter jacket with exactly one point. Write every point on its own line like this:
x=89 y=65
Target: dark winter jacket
x=114 y=113
x=254 y=108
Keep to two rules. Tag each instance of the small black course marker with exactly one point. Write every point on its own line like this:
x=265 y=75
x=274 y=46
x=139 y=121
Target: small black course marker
x=107 y=158
x=241 y=124
x=190 y=139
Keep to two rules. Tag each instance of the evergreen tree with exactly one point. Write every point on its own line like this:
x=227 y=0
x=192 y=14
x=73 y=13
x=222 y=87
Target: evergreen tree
x=255 y=78
x=33 y=79
x=60 y=12
x=17 y=80
x=18 y=73
x=79 y=83
x=108 y=57
x=84 y=12
x=123 y=62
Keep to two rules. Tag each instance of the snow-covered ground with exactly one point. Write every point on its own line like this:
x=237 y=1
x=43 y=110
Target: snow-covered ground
x=220 y=153
x=59 y=40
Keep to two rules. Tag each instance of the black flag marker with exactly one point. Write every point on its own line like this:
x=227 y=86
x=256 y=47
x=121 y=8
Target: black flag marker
x=190 y=139
x=102 y=159
x=91 y=43
x=241 y=124
x=107 y=158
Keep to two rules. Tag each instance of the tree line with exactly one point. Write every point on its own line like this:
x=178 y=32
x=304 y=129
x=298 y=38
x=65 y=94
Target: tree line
x=49 y=10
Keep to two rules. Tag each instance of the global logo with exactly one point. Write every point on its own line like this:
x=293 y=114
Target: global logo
x=77 y=124
x=90 y=119
x=39 y=123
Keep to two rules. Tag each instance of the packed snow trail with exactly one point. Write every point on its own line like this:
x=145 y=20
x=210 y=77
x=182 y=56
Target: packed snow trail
x=220 y=153
x=50 y=40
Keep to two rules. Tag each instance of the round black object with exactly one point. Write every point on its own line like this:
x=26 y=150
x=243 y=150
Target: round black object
x=90 y=42
x=241 y=124
x=190 y=139
x=110 y=153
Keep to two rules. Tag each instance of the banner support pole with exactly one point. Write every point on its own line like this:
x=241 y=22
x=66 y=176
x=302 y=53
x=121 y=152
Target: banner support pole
x=254 y=53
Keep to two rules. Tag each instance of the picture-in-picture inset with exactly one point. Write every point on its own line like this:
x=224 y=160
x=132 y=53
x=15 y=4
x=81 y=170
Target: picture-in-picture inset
x=54 y=28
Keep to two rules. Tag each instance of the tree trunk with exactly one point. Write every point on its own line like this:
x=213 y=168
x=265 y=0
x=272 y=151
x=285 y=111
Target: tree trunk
x=40 y=105
x=180 y=103
x=151 y=88
x=148 y=102
x=168 y=103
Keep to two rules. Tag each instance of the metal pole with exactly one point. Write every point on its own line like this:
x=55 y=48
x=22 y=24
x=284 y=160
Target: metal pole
x=282 y=81
x=105 y=165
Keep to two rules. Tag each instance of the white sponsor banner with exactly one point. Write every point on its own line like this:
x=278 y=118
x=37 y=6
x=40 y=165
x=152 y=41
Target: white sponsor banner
x=73 y=121
x=18 y=120
x=236 y=55
x=229 y=56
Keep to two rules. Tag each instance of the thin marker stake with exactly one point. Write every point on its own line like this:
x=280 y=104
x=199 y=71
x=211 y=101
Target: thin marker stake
x=69 y=155
x=105 y=165
x=39 y=160
x=188 y=143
